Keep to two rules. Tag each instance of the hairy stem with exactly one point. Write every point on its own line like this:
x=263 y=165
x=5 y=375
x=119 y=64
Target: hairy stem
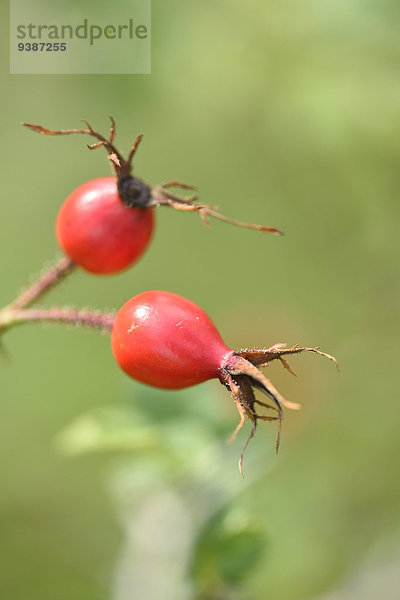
x=49 y=279
x=65 y=316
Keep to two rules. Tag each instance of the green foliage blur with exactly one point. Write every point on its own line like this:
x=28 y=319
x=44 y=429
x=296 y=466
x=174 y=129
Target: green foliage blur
x=281 y=113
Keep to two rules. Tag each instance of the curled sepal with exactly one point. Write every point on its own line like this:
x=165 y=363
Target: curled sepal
x=121 y=165
x=241 y=376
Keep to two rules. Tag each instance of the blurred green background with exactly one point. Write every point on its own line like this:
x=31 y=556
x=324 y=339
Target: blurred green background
x=281 y=113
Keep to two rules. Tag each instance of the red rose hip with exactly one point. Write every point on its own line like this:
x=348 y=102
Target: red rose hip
x=167 y=341
x=99 y=232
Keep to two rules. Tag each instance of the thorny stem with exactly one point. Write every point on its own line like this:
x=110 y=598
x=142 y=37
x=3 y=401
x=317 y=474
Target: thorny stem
x=66 y=316
x=134 y=192
x=17 y=312
x=47 y=280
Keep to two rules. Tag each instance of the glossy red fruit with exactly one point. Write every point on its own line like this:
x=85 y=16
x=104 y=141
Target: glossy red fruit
x=167 y=341
x=99 y=232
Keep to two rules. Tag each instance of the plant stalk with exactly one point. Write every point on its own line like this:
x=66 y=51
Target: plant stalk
x=49 y=279
x=10 y=317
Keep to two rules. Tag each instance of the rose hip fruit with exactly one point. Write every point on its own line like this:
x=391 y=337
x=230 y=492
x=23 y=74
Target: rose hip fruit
x=167 y=341
x=99 y=232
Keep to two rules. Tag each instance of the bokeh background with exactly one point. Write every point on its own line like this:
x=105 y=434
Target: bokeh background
x=281 y=113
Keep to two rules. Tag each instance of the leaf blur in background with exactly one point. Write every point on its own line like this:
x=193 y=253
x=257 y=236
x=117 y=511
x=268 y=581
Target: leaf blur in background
x=280 y=113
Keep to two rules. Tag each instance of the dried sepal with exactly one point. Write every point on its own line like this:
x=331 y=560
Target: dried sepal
x=121 y=166
x=244 y=398
x=261 y=357
x=161 y=197
x=136 y=193
x=242 y=377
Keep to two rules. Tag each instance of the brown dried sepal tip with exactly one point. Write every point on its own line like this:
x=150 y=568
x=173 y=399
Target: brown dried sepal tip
x=241 y=376
x=136 y=193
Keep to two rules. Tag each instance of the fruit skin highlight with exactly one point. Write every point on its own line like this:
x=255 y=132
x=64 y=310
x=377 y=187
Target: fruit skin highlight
x=99 y=232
